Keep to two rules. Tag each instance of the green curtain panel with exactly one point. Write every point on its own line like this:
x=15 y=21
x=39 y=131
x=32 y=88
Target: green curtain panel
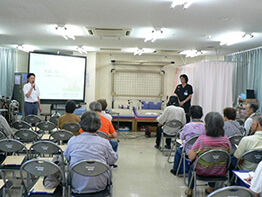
x=7 y=65
x=247 y=73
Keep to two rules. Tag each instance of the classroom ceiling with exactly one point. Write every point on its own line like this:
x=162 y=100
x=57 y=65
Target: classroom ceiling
x=200 y=27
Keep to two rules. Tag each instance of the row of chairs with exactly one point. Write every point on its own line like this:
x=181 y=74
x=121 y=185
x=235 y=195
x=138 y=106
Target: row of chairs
x=37 y=168
x=213 y=156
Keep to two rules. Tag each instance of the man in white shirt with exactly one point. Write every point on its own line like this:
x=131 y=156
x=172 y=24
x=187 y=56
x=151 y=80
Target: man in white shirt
x=171 y=112
x=31 y=93
x=256 y=181
x=250 y=113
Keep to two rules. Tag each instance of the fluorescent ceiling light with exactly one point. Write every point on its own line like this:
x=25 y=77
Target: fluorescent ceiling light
x=63 y=31
x=25 y=48
x=184 y=3
x=236 y=37
x=191 y=53
x=153 y=35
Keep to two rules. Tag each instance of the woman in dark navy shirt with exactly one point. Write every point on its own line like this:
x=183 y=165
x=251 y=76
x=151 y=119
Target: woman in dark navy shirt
x=184 y=93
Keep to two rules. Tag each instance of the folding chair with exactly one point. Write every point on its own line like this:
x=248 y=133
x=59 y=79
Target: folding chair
x=71 y=126
x=36 y=169
x=234 y=140
x=61 y=136
x=233 y=191
x=184 y=156
x=102 y=134
x=19 y=124
x=90 y=168
x=4 y=185
x=253 y=156
x=26 y=135
x=46 y=126
x=46 y=149
x=54 y=119
x=175 y=125
x=14 y=155
x=33 y=120
x=213 y=157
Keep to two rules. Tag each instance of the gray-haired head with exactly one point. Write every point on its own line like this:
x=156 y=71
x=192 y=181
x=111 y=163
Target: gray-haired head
x=214 y=124
x=95 y=106
x=90 y=121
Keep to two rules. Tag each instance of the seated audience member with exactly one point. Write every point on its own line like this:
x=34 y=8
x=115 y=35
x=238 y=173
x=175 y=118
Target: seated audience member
x=214 y=139
x=191 y=129
x=250 y=143
x=103 y=112
x=69 y=116
x=89 y=146
x=256 y=181
x=106 y=125
x=4 y=127
x=250 y=112
x=171 y=112
x=231 y=126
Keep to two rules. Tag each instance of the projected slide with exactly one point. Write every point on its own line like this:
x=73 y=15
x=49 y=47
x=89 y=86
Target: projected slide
x=59 y=77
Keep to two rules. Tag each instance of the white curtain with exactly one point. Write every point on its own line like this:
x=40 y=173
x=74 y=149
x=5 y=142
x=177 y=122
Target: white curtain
x=7 y=65
x=212 y=84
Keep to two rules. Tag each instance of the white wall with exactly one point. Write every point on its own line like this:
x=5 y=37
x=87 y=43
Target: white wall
x=99 y=71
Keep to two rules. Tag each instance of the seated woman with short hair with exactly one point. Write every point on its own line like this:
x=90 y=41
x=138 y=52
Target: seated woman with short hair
x=191 y=129
x=231 y=126
x=89 y=146
x=214 y=139
x=69 y=116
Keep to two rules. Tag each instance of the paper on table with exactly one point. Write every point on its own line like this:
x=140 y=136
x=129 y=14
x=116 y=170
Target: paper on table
x=13 y=160
x=2 y=183
x=244 y=175
x=40 y=188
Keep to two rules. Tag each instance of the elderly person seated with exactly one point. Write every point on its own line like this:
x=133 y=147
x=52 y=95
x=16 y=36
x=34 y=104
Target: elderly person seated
x=214 y=139
x=248 y=143
x=89 y=146
x=191 y=129
x=250 y=109
x=69 y=116
x=231 y=127
x=103 y=112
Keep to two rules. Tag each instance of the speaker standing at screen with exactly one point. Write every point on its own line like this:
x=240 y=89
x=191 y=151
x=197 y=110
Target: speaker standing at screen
x=31 y=92
x=184 y=93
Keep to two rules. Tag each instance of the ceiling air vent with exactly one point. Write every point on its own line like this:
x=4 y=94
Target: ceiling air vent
x=109 y=49
x=167 y=52
x=108 y=32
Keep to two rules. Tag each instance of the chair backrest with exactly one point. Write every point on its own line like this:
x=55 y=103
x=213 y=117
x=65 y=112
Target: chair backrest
x=45 y=147
x=88 y=168
x=253 y=156
x=234 y=140
x=26 y=135
x=174 y=123
x=172 y=127
x=46 y=126
x=40 y=168
x=12 y=146
x=102 y=134
x=19 y=124
x=54 y=119
x=190 y=142
x=215 y=156
x=61 y=135
x=32 y=119
x=71 y=126
x=233 y=191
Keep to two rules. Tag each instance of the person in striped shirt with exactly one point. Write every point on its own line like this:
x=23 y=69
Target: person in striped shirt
x=214 y=139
